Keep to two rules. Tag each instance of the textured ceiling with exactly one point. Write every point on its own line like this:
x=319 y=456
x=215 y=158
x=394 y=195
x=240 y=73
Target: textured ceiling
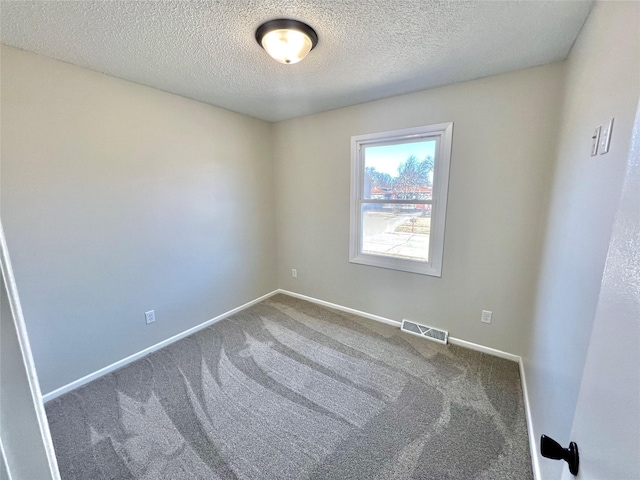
x=368 y=49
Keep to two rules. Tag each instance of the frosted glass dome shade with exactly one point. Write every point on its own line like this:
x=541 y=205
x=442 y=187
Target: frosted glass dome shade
x=287 y=41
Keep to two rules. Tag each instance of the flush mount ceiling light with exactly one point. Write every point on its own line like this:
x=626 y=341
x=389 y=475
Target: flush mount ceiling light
x=287 y=41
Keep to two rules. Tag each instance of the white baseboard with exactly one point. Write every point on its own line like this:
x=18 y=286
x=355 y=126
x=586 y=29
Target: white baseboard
x=533 y=443
x=481 y=348
x=341 y=308
x=395 y=323
x=131 y=358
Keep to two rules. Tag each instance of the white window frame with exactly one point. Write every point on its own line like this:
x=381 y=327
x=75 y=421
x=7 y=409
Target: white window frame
x=442 y=133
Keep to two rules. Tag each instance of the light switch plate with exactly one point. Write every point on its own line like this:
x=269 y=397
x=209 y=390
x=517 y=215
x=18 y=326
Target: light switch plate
x=595 y=140
x=605 y=138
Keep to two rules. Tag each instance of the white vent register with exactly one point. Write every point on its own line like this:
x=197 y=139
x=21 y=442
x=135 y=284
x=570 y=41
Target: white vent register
x=430 y=333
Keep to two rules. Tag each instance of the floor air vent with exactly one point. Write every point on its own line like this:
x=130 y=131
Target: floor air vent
x=430 y=333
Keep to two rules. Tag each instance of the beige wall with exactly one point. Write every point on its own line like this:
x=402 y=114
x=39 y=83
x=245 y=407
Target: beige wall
x=603 y=81
x=117 y=199
x=504 y=142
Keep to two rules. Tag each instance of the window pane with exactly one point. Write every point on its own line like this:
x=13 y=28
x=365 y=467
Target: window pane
x=403 y=171
x=396 y=230
x=394 y=190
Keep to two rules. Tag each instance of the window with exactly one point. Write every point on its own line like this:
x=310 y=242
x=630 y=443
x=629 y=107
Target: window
x=399 y=184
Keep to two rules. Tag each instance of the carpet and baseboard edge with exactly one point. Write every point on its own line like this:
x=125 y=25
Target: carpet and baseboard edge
x=454 y=341
x=142 y=353
x=462 y=343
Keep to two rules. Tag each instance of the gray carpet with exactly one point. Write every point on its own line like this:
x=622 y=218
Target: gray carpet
x=291 y=390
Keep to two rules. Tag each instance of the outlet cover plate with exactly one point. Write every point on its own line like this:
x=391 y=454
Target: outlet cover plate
x=150 y=316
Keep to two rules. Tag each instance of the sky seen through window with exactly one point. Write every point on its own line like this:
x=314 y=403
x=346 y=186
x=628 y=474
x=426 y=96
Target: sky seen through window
x=387 y=158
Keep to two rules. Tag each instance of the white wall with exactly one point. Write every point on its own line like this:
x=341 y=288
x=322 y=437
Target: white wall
x=606 y=425
x=603 y=81
x=503 y=147
x=117 y=199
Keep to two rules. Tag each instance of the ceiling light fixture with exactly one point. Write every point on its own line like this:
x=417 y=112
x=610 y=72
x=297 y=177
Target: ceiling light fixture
x=287 y=41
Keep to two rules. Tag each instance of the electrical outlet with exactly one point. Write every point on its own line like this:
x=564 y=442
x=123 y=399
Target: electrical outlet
x=486 y=316
x=294 y=273
x=150 y=316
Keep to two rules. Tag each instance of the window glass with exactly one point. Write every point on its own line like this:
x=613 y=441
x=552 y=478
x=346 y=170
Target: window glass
x=398 y=198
